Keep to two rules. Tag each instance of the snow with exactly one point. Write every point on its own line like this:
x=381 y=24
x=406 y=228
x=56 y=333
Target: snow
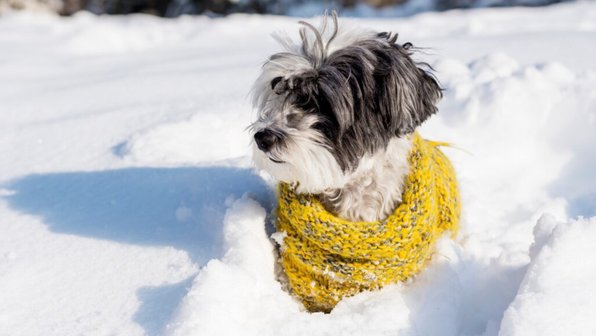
x=128 y=204
x=552 y=286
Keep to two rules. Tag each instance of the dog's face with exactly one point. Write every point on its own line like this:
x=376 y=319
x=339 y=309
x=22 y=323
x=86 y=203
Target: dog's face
x=332 y=100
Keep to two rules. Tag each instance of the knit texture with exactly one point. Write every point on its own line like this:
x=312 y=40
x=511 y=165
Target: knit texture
x=326 y=258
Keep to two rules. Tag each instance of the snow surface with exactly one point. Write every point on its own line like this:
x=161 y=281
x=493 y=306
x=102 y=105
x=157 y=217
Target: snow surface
x=128 y=205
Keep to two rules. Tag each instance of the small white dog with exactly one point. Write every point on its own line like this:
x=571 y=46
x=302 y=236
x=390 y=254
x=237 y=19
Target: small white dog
x=336 y=112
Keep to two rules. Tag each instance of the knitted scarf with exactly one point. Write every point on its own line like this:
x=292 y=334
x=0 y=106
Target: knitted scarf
x=326 y=258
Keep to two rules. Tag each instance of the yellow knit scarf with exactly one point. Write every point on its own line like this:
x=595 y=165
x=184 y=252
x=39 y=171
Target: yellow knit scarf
x=327 y=258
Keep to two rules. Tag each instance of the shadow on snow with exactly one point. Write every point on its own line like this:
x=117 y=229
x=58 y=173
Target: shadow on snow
x=178 y=207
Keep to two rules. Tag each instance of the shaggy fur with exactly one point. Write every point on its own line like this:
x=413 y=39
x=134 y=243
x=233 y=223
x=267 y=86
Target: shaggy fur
x=335 y=114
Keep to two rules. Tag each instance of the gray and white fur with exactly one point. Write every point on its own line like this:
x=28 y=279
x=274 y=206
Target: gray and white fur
x=335 y=114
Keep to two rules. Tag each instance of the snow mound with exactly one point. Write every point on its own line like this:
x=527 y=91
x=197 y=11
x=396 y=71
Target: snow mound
x=205 y=137
x=241 y=284
x=557 y=295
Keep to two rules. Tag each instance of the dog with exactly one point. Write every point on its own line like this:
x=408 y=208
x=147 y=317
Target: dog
x=336 y=114
x=362 y=196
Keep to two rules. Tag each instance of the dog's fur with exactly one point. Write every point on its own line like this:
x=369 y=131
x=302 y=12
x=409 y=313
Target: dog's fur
x=335 y=116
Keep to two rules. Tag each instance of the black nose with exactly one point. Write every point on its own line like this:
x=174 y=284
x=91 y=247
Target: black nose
x=265 y=139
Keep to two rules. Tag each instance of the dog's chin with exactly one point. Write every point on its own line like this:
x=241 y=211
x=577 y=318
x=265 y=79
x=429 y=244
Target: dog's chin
x=312 y=170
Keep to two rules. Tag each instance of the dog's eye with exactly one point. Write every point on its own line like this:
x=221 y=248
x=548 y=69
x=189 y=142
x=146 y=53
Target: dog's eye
x=293 y=118
x=305 y=102
x=274 y=82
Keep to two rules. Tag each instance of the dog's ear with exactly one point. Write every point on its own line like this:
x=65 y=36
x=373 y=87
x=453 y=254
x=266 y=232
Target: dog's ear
x=406 y=94
x=429 y=94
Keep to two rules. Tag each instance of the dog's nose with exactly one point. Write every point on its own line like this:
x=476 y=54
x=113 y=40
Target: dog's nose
x=265 y=139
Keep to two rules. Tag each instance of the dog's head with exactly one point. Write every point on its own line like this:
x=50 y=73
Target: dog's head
x=337 y=96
